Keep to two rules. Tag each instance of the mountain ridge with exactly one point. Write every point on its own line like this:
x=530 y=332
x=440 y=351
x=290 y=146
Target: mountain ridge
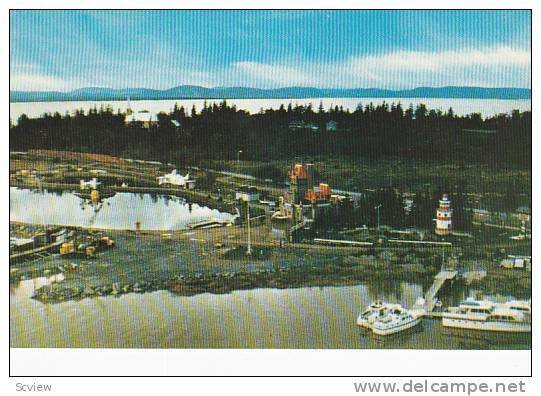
x=198 y=92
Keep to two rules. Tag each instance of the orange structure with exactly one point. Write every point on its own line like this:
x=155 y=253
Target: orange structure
x=301 y=187
x=321 y=193
x=300 y=178
x=298 y=171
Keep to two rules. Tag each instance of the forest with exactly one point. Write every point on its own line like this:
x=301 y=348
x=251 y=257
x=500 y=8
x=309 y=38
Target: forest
x=220 y=130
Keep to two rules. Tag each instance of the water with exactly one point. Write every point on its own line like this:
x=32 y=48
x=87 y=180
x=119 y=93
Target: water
x=487 y=107
x=118 y=212
x=311 y=317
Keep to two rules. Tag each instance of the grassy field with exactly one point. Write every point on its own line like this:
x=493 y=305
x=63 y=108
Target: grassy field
x=406 y=175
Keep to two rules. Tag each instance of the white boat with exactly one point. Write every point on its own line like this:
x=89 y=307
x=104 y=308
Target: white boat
x=374 y=310
x=510 y=317
x=520 y=306
x=395 y=320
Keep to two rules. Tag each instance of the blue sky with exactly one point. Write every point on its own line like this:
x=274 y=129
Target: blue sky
x=63 y=50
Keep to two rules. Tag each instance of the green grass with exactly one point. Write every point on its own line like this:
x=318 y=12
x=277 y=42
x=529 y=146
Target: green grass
x=407 y=175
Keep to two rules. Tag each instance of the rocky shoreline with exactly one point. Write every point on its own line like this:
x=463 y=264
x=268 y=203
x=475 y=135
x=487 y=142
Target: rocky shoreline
x=225 y=282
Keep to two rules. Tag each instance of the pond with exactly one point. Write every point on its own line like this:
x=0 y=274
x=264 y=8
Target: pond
x=122 y=211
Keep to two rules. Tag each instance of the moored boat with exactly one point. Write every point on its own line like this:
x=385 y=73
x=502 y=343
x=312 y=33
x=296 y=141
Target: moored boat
x=373 y=311
x=511 y=317
x=383 y=318
x=396 y=320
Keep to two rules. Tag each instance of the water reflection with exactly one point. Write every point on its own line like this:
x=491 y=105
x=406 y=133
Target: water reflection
x=155 y=212
x=314 y=317
x=26 y=288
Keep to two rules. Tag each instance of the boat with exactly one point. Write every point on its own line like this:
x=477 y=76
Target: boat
x=511 y=317
x=395 y=320
x=520 y=306
x=374 y=310
x=384 y=318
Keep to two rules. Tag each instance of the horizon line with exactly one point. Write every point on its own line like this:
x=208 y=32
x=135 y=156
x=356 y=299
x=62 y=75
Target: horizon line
x=277 y=88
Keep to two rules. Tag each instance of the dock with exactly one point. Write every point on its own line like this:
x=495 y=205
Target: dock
x=212 y=223
x=439 y=280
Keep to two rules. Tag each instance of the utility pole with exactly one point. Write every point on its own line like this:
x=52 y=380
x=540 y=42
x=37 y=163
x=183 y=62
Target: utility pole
x=249 y=248
x=377 y=209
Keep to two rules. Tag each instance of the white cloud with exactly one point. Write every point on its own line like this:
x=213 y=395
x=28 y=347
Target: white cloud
x=27 y=77
x=495 y=66
x=38 y=82
x=490 y=67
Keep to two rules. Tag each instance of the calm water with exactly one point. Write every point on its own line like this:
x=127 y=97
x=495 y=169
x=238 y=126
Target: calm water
x=118 y=212
x=487 y=107
x=261 y=318
x=312 y=317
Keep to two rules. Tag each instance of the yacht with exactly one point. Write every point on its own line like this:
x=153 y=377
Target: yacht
x=511 y=317
x=519 y=306
x=395 y=320
x=374 y=310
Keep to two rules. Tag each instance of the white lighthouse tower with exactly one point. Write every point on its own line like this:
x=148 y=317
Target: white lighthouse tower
x=444 y=216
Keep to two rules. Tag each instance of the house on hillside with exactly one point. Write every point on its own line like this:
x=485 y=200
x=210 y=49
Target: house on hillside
x=145 y=117
x=331 y=126
x=300 y=125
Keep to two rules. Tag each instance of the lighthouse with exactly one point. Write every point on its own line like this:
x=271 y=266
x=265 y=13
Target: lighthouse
x=443 y=216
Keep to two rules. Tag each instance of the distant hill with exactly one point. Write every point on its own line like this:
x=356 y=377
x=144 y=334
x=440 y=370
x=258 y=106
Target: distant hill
x=197 y=92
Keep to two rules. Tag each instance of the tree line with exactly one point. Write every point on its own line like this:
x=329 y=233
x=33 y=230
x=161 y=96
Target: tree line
x=420 y=211
x=219 y=131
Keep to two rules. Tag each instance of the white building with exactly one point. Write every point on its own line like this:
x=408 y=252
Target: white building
x=444 y=215
x=89 y=185
x=247 y=194
x=331 y=126
x=145 y=117
x=176 y=179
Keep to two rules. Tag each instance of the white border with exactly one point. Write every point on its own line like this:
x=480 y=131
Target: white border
x=268 y=362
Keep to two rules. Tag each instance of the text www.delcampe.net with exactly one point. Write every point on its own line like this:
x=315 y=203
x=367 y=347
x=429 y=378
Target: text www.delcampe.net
x=427 y=386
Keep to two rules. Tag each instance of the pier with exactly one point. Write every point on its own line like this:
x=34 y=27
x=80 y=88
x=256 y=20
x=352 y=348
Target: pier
x=439 y=281
x=208 y=224
x=448 y=272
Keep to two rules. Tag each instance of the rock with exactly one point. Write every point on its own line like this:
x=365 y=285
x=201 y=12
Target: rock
x=88 y=290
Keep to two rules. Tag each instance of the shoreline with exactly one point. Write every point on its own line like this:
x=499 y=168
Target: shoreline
x=201 y=261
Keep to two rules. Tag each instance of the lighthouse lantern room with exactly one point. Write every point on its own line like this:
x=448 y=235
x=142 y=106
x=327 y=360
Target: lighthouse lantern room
x=444 y=216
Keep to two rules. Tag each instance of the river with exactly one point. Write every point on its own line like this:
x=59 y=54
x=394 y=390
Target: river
x=487 y=107
x=310 y=317
x=154 y=212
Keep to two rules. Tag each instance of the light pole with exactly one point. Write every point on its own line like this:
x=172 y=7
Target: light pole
x=249 y=247
x=377 y=209
x=238 y=158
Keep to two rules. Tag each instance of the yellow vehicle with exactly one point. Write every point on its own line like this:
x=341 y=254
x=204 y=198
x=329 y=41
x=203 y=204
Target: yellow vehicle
x=106 y=241
x=67 y=248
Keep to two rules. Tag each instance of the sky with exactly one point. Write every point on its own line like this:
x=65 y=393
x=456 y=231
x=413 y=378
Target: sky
x=66 y=50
